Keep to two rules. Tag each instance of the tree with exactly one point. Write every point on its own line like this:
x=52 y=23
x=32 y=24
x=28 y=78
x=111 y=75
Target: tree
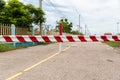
x=38 y=15
x=2 y=4
x=18 y=14
x=75 y=32
x=15 y=12
x=67 y=26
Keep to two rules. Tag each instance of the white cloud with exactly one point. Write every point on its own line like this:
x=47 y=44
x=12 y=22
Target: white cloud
x=103 y=13
x=100 y=15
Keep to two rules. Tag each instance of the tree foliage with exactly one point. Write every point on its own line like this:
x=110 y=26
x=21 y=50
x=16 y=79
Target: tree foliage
x=15 y=12
x=67 y=26
x=2 y=4
x=36 y=13
x=76 y=32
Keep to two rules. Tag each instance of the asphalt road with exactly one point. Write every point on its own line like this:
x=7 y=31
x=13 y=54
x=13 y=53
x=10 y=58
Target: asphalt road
x=77 y=61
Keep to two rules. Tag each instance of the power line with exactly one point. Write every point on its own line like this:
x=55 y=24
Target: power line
x=77 y=13
x=57 y=10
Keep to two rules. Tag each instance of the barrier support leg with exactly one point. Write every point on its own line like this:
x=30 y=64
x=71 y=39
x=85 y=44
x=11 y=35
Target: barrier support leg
x=60 y=46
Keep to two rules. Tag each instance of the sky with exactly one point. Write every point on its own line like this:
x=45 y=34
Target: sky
x=100 y=16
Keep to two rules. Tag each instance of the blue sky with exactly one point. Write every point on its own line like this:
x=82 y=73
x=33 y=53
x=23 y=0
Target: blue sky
x=100 y=15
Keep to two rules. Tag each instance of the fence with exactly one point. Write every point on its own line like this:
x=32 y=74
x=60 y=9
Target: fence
x=6 y=29
x=22 y=31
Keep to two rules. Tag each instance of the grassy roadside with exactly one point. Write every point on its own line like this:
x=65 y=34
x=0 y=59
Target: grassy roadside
x=46 y=43
x=7 y=47
x=113 y=44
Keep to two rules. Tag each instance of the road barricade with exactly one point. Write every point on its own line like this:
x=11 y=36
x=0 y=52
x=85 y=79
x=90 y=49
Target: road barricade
x=63 y=38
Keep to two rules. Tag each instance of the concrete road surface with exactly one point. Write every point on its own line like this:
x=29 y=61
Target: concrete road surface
x=77 y=61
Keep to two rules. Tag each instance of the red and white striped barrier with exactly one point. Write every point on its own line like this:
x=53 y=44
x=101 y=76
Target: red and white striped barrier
x=21 y=38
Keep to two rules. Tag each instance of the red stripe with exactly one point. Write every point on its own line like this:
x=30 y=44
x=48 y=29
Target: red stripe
x=94 y=39
x=58 y=38
x=116 y=38
x=20 y=38
x=46 y=38
x=7 y=38
x=33 y=38
x=82 y=38
x=70 y=38
x=104 y=38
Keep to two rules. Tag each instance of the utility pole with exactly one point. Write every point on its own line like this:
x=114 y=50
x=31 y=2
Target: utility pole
x=117 y=27
x=79 y=24
x=40 y=3
x=85 y=29
x=88 y=31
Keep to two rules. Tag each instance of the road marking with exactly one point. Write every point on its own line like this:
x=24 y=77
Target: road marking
x=16 y=75
x=66 y=48
x=31 y=67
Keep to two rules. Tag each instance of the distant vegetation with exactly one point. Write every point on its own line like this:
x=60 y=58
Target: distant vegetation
x=75 y=32
x=67 y=27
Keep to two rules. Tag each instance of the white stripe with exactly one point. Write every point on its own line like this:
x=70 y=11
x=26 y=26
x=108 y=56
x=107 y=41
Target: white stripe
x=26 y=38
x=118 y=37
x=39 y=38
x=76 y=39
x=64 y=39
x=52 y=38
x=2 y=39
x=87 y=38
x=99 y=38
x=109 y=37
x=14 y=38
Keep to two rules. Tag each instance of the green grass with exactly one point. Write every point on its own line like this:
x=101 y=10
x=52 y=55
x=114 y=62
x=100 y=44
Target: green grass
x=5 y=47
x=113 y=44
x=46 y=43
